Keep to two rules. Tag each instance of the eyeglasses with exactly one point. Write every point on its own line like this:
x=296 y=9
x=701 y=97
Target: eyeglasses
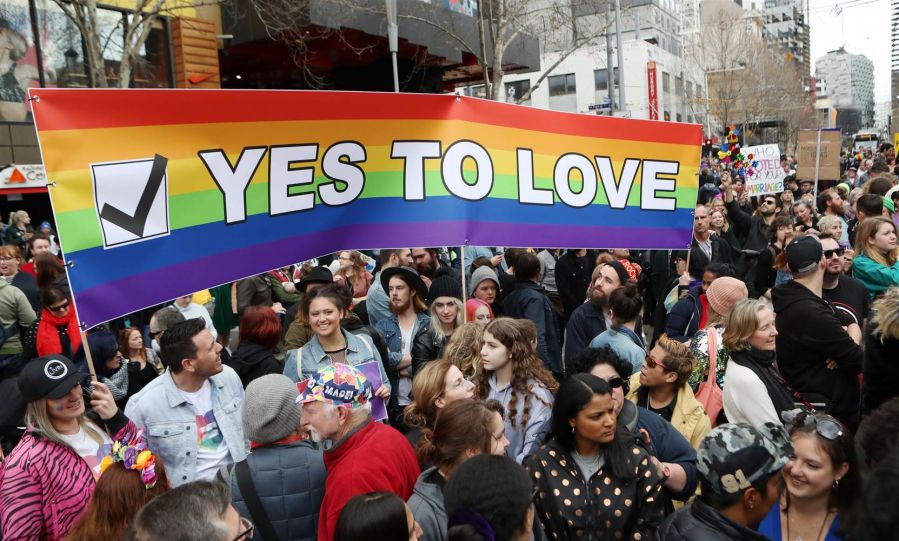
x=247 y=532
x=836 y=251
x=60 y=308
x=7 y=259
x=652 y=362
x=825 y=425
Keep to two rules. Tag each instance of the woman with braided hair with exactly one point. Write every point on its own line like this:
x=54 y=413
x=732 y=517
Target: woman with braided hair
x=514 y=375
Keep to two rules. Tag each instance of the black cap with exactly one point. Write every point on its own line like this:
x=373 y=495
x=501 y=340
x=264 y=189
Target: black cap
x=804 y=254
x=318 y=275
x=411 y=276
x=51 y=376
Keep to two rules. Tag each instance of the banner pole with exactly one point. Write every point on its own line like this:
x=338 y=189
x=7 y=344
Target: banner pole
x=464 y=299
x=87 y=355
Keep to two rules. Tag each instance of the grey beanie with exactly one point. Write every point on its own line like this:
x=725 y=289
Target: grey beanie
x=270 y=410
x=479 y=275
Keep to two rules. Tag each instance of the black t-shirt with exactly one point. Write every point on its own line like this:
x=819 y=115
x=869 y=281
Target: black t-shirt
x=665 y=412
x=850 y=299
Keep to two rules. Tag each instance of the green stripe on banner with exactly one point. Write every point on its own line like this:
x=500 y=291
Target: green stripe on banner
x=198 y=208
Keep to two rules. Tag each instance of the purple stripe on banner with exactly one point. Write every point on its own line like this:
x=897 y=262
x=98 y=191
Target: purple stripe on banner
x=105 y=302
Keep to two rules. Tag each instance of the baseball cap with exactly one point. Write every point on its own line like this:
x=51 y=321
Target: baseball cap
x=51 y=376
x=738 y=452
x=338 y=384
x=804 y=254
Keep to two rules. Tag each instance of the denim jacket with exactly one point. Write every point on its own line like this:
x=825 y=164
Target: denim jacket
x=313 y=358
x=390 y=331
x=169 y=421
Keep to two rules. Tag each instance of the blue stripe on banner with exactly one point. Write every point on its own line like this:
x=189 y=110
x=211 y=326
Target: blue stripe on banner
x=95 y=266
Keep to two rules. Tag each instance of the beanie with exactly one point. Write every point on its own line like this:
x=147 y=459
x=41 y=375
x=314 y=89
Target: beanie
x=479 y=275
x=270 y=410
x=724 y=292
x=444 y=286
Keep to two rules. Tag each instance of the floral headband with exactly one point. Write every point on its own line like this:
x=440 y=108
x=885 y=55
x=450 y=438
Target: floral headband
x=134 y=456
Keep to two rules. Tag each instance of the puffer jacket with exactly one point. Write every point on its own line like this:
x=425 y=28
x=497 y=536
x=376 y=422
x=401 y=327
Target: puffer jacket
x=699 y=522
x=44 y=486
x=290 y=482
x=689 y=417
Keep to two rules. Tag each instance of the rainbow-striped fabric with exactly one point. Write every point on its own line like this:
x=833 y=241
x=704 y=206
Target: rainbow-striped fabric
x=139 y=181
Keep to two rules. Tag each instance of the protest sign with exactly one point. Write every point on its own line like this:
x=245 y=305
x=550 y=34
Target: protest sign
x=158 y=193
x=807 y=154
x=373 y=374
x=767 y=175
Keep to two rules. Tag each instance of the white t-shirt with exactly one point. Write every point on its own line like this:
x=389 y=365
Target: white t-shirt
x=88 y=448
x=212 y=451
x=404 y=393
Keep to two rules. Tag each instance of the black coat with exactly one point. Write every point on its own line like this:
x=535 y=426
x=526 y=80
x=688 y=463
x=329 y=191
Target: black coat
x=426 y=347
x=699 y=522
x=751 y=230
x=529 y=301
x=881 y=369
x=699 y=261
x=810 y=333
x=252 y=361
x=572 y=279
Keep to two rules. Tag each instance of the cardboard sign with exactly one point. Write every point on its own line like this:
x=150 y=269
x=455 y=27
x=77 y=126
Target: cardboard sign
x=829 y=161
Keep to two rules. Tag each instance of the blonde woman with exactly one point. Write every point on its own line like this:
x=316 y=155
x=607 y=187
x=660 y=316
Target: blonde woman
x=447 y=314
x=463 y=349
x=877 y=264
x=48 y=479
x=17 y=234
x=881 y=374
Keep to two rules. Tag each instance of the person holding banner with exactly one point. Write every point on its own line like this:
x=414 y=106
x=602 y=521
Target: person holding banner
x=48 y=479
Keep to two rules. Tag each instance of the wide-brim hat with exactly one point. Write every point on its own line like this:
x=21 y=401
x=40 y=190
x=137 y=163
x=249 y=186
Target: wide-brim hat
x=411 y=276
x=318 y=275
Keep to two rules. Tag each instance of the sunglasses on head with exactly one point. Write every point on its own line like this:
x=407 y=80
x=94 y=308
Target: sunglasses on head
x=825 y=425
x=836 y=251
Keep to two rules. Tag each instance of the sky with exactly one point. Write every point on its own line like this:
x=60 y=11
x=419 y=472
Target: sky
x=861 y=27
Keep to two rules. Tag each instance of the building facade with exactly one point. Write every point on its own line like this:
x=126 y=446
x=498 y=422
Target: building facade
x=850 y=83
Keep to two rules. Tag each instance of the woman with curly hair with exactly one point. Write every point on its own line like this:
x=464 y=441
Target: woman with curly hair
x=463 y=349
x=352 y=268
x=437 y=385
x=515 y=376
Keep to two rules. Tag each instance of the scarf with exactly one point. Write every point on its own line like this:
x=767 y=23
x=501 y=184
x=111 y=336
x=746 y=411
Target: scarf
x=762 y=364
x=48 y=333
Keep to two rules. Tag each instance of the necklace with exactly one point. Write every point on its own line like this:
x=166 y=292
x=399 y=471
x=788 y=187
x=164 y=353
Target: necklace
x=799 y=537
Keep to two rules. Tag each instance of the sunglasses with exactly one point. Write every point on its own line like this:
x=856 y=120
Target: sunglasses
x=59 y=308
x=652 y=363
x=825 y=425
x=836 y=251
x=615 y=382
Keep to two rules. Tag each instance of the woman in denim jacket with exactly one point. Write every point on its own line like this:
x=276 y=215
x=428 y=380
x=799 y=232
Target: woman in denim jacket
x=324 y=307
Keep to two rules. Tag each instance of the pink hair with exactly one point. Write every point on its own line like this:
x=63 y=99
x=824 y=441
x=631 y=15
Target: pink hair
x=472 y=305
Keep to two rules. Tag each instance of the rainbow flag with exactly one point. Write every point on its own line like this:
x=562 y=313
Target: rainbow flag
x=158 y=193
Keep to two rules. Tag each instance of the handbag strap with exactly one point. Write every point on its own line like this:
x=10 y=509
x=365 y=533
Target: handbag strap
x=712 y=333
x=261 y=522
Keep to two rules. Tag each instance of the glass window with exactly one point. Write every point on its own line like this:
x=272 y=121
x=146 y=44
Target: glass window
x=61 y=48
x=666 y=82
x=601 y=78
x=152 y=68
x=517 y=89
x=560 y=85
x=679 y=86
x=18 y=61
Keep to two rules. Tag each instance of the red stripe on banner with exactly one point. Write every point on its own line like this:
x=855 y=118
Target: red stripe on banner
x=72 y=109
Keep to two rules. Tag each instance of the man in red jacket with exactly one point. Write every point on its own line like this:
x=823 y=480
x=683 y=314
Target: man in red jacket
x=364 y=456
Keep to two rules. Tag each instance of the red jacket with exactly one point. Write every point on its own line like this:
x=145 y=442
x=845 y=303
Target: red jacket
x=375 y=458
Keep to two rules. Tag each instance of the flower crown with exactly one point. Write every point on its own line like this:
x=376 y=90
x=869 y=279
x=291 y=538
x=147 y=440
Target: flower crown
x=134 y=456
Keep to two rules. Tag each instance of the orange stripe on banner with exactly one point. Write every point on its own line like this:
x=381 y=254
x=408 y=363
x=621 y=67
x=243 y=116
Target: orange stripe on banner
x=64 y=109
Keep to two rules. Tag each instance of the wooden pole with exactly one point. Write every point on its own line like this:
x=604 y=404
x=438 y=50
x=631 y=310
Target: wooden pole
x=817 y=165
x=87 y=355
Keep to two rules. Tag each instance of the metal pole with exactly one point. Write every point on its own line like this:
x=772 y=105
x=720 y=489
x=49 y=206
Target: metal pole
x=393 y=40
x=621 y=99
x=708 y=106
x=817 y=163
x=609 y=70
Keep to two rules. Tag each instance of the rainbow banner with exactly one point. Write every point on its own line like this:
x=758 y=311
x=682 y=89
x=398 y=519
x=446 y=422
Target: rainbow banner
x=158 y=193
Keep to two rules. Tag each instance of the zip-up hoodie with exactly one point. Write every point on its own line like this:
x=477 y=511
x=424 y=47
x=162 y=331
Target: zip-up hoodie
x=810 y=333
x=427 y=505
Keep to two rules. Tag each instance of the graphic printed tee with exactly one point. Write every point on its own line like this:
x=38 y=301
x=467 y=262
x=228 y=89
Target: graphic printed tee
x=212 y=452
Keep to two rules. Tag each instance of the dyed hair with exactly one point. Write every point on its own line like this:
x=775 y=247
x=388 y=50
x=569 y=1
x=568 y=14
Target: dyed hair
x=866 y=231
x=124 y=337
x=47 y=267
x=427 y=386
x=574 y=395
x=678 y=358
x=117 y=498
x=461 y=426
x=260 y=325
x=381 y=512
x=464 y=349
x=525 y=365
x=472 y=305
x=741 y=323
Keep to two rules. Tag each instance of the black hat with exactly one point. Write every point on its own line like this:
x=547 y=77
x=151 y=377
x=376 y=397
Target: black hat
x=411 y=276
x=52 y=376
x=318 y=275
x=804 y=254
x=444 y=286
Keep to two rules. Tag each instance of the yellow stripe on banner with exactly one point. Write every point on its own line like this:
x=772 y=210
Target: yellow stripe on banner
x=188 y=176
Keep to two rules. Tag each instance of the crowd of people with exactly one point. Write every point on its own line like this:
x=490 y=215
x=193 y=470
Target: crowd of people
x=742 y=388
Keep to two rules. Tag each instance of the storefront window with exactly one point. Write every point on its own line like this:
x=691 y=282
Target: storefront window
x=18 y=61
x=61 y=48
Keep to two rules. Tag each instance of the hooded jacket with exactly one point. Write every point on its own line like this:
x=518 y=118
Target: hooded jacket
x=683 y=321
x=810 y=333
x=251 y=361
x=700 y=522
x=427 y=505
